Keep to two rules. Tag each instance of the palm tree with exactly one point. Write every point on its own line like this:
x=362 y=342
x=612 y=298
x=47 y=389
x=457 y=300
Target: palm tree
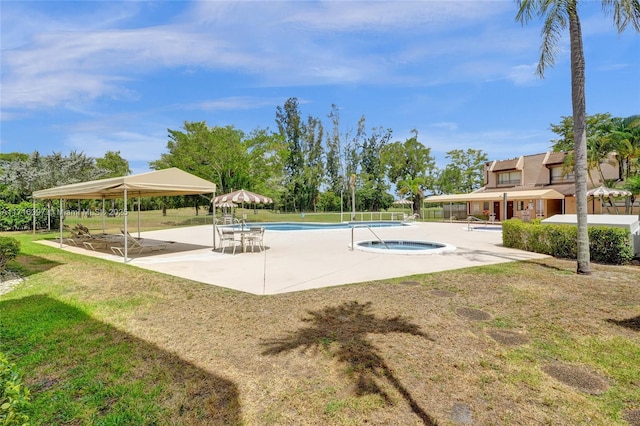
x=556 y=14
x=633 y=184
x=626 y=138
x=413 y=188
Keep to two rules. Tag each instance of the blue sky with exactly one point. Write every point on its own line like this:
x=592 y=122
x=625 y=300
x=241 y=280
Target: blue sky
x=97 y=76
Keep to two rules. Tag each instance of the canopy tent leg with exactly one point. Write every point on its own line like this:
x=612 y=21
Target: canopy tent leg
x=138 y=215
x=61 y=218
x=34 y=216
x=104 y=219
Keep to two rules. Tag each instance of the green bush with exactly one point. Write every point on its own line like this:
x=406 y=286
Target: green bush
x=610 y=245
x=19 y=217
x=14 y=396
x=9 y=249
x=606 y=244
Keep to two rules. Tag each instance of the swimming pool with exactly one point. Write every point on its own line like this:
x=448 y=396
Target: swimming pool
x=304 y=226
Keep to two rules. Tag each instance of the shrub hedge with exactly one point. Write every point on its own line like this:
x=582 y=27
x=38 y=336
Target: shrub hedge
x=9 y=249
x=606 y=244
x=19 y=217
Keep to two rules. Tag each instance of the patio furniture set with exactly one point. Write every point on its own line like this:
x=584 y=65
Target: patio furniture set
x=245 y=237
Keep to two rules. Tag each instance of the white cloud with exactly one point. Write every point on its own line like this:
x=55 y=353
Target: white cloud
x=234 y=103
x=273 y=43
x=132 y=146
x=523 y=74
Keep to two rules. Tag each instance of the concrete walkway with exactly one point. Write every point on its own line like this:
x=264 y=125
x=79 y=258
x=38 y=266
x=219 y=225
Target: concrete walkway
x=302 y=260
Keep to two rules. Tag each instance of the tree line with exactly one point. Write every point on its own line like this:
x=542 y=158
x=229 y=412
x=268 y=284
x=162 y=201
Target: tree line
x=309 y=165
x=306 y=167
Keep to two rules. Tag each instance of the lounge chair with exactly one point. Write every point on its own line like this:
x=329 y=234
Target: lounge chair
x=135 y=246
x=227 y=236
x=102 y=241
x=78 y=234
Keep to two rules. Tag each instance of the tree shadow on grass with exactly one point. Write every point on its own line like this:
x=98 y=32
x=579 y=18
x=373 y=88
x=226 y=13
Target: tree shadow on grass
x=347 y=326
x=632 y=323
x=28 y=264
x=83 y=371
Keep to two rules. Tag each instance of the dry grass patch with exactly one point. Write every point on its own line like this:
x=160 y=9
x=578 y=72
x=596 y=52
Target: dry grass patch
x=381 y=352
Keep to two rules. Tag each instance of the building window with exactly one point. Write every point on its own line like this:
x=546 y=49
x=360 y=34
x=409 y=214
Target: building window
x=520 y=206
x=509 y=178
x=558 y=175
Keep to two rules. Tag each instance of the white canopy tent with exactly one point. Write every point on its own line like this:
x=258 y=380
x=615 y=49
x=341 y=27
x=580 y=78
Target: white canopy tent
x=172 y=181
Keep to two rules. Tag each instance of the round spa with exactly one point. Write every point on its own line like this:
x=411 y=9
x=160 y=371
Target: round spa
x=402 y=247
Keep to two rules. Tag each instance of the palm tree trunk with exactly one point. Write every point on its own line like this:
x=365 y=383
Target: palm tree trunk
x=579 y=137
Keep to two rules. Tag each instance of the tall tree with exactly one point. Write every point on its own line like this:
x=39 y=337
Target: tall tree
x=371 y=179
x=223 y=155
x=556 y=14
x=291 y=131
x=313 y=164
x=470 y=164
x=409 y=165
x=114 y=164
x=23 y=177
x=335 y=179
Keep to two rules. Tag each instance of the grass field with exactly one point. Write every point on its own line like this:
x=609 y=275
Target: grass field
x=100 y=342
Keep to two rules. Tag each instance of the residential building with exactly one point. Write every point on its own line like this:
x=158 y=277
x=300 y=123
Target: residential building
x=530 y=186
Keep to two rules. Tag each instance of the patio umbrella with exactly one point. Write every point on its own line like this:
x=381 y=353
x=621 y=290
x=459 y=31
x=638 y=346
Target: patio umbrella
x=226 y=205
x=404 y=202
x=242 y=196
x=602 y=192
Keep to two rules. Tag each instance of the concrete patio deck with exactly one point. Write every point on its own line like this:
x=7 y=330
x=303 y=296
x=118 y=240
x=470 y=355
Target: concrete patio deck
x=302 y=260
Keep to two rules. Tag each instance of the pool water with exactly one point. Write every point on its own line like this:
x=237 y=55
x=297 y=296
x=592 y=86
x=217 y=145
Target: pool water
x=304 y=226
x=402 y=247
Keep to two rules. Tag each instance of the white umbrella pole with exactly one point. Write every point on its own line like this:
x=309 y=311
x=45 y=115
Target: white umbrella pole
x=213 y=202
x=126 y=229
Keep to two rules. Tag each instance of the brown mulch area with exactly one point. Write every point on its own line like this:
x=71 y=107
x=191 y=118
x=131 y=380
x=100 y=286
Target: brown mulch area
x=632 y=417
x=508 y=337
x=473 y=314
x=578 y=377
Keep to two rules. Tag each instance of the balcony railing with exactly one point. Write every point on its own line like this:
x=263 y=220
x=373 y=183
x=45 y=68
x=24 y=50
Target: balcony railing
x=510 y=182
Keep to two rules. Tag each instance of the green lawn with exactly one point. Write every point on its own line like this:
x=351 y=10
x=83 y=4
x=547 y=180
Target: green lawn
x=103 y=343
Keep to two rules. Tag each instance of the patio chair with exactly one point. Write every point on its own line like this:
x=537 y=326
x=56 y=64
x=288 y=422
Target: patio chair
x=227 y=219
x=227 y=236
x=255 y=237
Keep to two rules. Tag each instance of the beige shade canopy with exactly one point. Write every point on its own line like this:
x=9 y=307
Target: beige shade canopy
x=171 y=181
x=539 y=194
